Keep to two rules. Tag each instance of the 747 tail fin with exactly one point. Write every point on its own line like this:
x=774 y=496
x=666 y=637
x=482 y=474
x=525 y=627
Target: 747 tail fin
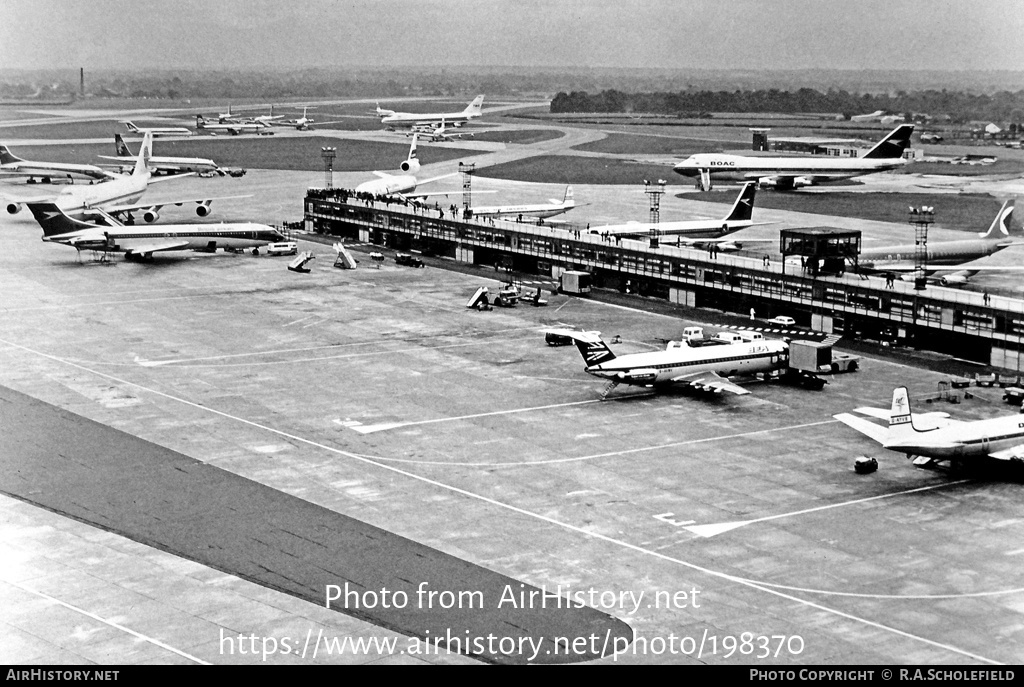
x=893 y=145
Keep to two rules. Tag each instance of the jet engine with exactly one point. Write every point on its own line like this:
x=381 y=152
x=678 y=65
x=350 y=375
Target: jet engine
x=203 y=209
x=954 y=279
x=784 y=183
x=410 y=165
x=151 y=215
x=14 y=208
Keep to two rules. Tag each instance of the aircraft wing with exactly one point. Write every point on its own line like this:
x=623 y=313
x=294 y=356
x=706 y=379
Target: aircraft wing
x=1014 y=452
x=710 y=380
x=119 y=209
x=876 y=432
x=170 y=244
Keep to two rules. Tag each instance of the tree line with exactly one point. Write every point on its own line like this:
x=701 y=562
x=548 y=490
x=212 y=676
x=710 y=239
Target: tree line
x=1002 y=106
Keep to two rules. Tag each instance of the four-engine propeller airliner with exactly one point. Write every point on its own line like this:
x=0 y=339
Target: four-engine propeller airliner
x=934 y=437
x=788 y=173
x=233 y=128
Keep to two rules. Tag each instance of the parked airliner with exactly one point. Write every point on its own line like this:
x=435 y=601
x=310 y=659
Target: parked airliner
x=401 y=185
x=695 y=231
x=472 y=111
x=159 y=130
x=935 y=437
x=11 y=165
x=901 y=259
x=144 y=241
x=165 y=165
x=704 y=367
x=115 y=198
x=787 y=173
x=539 y=210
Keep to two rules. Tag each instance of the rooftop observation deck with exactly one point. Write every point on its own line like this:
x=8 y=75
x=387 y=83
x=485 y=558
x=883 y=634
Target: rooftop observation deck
x=976 y=326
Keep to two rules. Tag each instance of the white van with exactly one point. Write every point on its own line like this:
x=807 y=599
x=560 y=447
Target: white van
x=750 y=336
x=283 y=248
x=729 y=337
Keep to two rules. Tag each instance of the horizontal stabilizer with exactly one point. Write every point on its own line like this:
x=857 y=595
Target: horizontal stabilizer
x=876 y=432
x=157 y=246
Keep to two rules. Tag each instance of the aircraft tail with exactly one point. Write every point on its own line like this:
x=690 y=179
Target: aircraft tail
x=412 y=148
x=53 y=220
x=145 y=152
x=900 y=413
x=743 y=208
x=593 y=349
x=475 y=107
x=6 y=156
x=120 y=147
x=568 y=198
x=201 y=121
x=901 y=421
x=131 y=127
x=1000 y=227
x=893 y=145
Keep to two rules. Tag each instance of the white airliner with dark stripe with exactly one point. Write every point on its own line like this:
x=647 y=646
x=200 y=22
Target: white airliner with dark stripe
x=704 y=367
x=143 y=241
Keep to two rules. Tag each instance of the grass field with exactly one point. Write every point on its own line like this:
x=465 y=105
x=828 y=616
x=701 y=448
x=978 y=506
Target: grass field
x=76 y=130
x=264 y=152
x=960 y=212
x=564 y=169
x=654 y=144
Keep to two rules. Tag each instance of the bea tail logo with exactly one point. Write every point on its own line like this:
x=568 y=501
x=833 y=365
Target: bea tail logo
x=595 y=353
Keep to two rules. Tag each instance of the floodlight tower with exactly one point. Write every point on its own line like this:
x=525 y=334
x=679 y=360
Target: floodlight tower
x=655 y=193
x=467 y=169
x=922 y=218
x=328 y=153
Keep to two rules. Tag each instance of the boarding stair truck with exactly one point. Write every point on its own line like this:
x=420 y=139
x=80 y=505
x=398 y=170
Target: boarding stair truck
x=299 y=263
x=479 y=300
x=344 y=260
x=574 y=283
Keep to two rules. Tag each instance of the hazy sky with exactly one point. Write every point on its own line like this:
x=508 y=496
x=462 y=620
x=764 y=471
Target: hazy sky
x=779 y=34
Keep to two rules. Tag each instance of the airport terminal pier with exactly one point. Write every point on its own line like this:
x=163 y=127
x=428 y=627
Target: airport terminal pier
x=977 y=327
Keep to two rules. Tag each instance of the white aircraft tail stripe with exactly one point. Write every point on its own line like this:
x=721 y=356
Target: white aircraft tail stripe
x=1001 y=224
